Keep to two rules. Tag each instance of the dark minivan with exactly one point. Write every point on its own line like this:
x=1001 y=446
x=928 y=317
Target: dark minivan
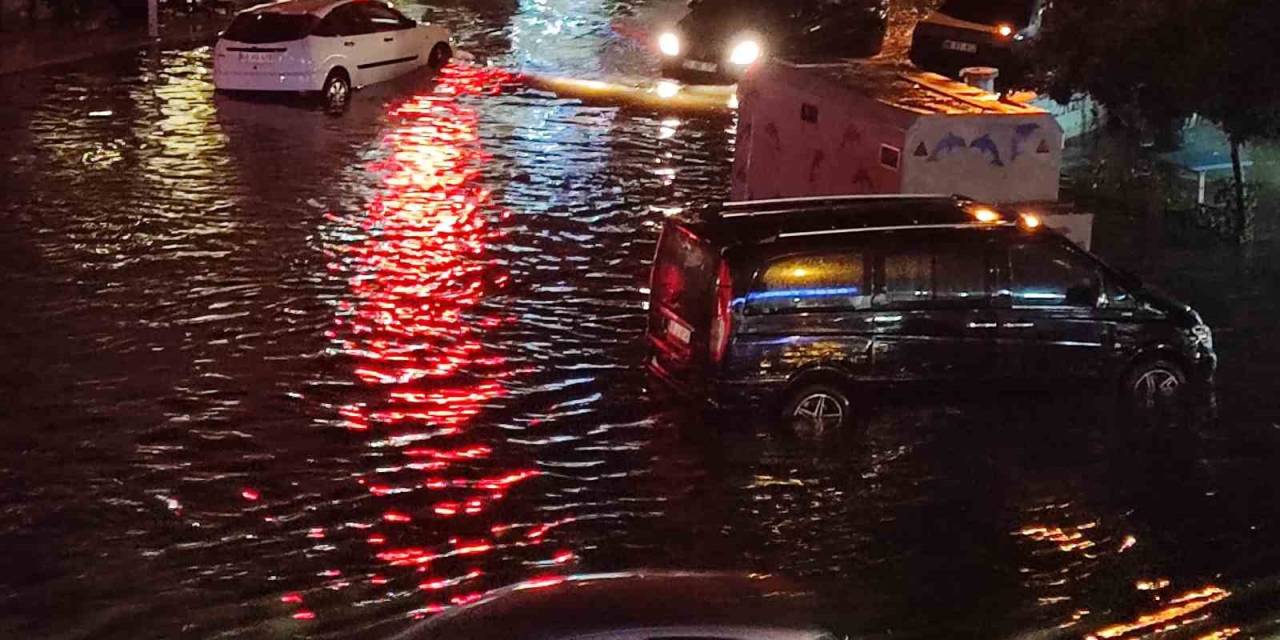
x=799 y=303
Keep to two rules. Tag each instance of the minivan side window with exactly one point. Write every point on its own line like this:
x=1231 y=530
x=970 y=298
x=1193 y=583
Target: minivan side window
x=959 y=272
x=1044 y=274
x=940 y=273
x=821 y=281
x=908 y=275
x=1118 y=297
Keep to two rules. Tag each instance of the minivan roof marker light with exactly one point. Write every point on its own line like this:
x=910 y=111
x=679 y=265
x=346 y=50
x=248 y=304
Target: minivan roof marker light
x=986 y=215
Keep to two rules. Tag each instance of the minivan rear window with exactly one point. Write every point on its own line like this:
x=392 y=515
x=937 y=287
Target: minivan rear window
x=262 y=28
x=808 y=282
x=684 y=274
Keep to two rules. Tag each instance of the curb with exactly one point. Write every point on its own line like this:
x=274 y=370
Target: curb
x=18 y=57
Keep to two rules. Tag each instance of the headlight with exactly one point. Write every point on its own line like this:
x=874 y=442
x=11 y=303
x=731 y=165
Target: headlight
x=1004 y=30
x=745 y=53
x=669 y=44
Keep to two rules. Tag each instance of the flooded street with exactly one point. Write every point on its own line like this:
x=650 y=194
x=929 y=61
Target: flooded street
x=275 y=373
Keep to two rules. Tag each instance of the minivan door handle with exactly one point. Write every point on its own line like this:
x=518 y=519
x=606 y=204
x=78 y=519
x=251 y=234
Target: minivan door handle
x=348 y=43
x=984 y=325
x=389 y=39
x=1019 y=325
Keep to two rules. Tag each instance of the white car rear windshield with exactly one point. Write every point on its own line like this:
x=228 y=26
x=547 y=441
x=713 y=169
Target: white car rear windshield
x=262 y=28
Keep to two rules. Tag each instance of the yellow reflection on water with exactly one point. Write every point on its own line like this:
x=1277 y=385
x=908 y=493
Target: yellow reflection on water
x=1180 y=611
x=1220 y=634
x=1067 y=540
x=662 y=95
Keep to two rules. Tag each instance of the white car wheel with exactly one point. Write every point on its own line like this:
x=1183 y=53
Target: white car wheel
x=337 y=90
x=440 y=55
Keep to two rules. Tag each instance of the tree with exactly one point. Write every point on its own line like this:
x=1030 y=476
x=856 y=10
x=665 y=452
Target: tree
x=1136 y=57
x=1156 y=62
x=1244 y=93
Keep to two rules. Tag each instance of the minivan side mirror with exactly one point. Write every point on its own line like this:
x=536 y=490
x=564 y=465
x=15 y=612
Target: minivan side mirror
x=1084 y=294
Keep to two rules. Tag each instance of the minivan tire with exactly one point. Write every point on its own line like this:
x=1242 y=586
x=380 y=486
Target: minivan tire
x=818 y=411
x=1154 y=386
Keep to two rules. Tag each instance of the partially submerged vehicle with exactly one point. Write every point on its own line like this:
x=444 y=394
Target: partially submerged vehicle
x=977 y=33
x=720 y=39
x=329 y=47
x=805 y=305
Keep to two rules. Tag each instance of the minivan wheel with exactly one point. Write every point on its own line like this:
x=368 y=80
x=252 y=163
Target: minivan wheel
x=440 y=55
x=336 y=93
x=1154 y=386
x=818 y=411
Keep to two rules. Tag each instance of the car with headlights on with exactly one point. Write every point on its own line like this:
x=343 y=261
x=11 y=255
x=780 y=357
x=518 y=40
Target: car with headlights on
x=718 y=40
x=634 y=605
x=808 y=304
x=327 y=46
x=977 y=33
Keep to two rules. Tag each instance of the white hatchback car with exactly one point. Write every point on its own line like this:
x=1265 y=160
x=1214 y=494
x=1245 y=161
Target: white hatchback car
x=326 y=46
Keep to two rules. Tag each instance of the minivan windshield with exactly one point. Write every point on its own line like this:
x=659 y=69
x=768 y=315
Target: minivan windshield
x=992 y=12
x=261 y=28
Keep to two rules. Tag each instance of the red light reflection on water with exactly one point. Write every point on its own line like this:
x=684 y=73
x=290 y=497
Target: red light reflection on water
x=413 y=326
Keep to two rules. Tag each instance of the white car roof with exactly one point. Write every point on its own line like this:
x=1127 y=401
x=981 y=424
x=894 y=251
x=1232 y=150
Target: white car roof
x=318 y=8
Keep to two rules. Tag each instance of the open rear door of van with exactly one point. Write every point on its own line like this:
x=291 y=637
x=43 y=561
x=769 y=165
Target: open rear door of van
x=681 y=306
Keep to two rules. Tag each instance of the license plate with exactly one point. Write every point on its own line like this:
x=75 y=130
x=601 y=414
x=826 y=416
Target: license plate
x=966 y=47
x=679 y=332
x=257 y=57
x=698 y=65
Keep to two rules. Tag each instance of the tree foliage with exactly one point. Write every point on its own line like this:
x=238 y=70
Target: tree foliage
x=1244 y=93
x=1150 y=62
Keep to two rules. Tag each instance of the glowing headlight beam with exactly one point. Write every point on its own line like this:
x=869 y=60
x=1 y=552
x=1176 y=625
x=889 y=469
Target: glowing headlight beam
x=669 y=44
x=745 y=53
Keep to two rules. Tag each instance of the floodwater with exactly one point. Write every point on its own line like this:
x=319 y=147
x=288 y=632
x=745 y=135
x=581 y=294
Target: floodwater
x=274 y=373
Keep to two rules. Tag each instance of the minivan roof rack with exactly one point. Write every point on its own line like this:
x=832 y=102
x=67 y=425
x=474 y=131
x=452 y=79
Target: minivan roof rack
x=747 y=204
x=760 y=220
x=777 y=206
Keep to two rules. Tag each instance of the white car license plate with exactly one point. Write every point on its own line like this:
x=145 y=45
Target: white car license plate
x=698 y=65
x=679 y=332
x=257 y=57
x=966 y=47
